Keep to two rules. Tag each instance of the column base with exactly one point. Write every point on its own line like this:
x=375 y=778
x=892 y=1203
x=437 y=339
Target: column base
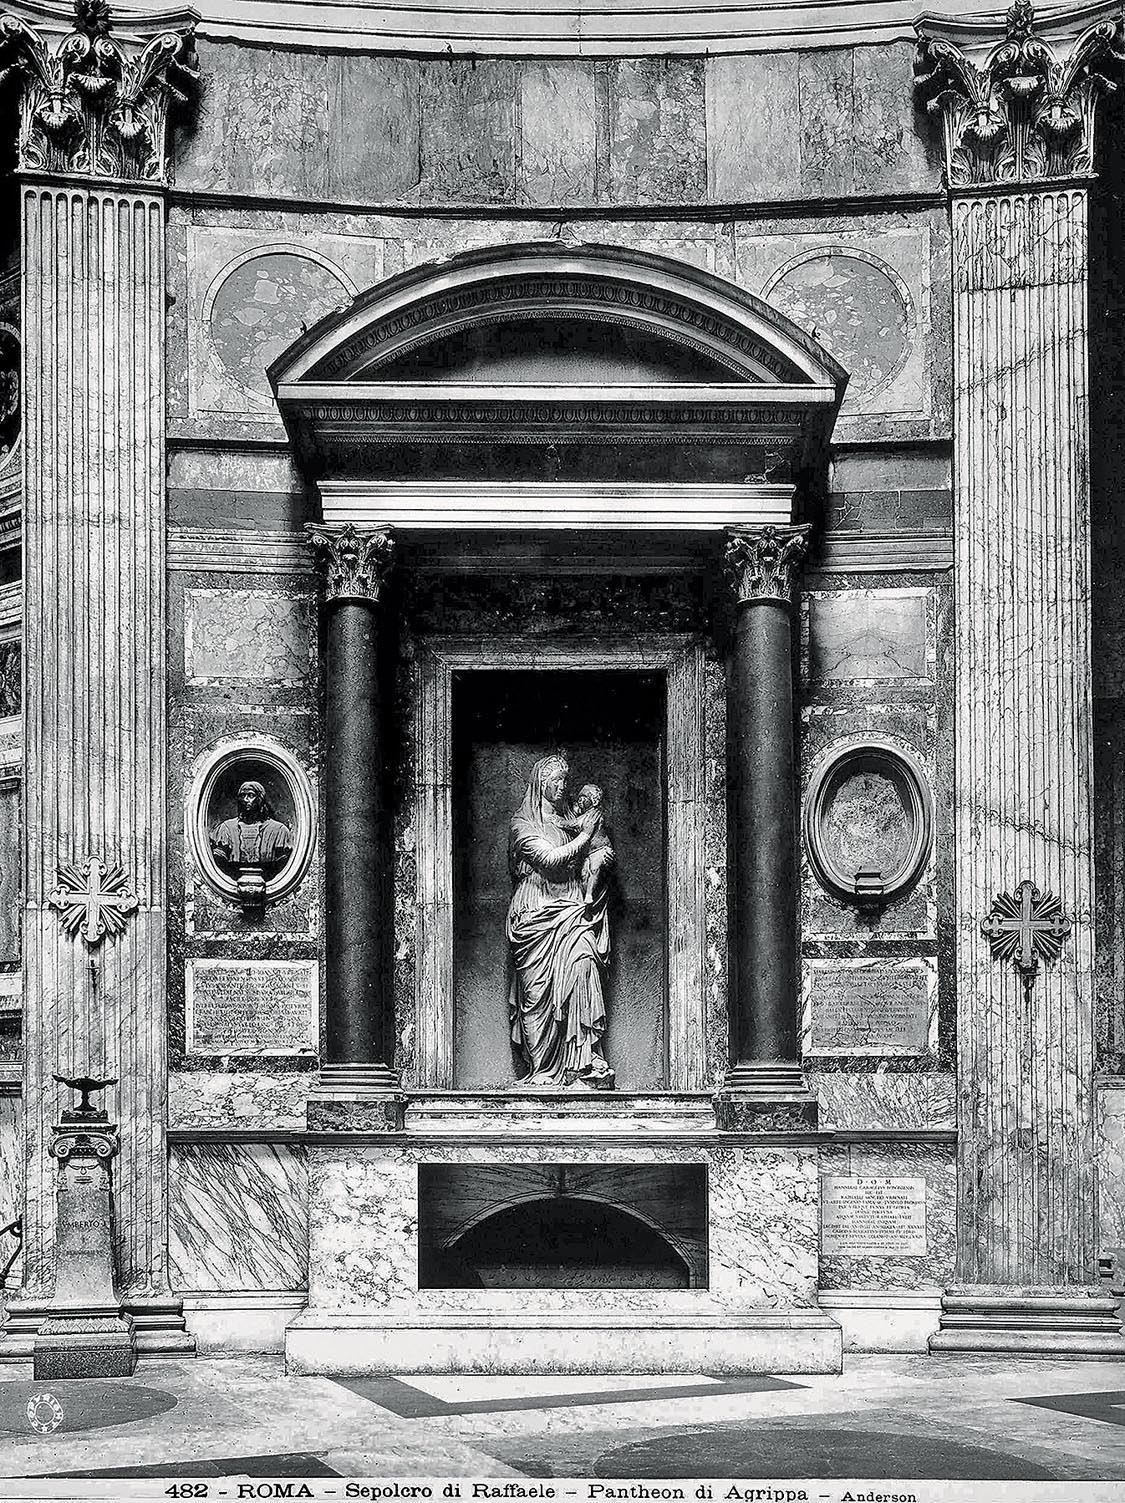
x=765 y=1095
x=356 y=1098
x=1029 y=1322
x=776 y=1079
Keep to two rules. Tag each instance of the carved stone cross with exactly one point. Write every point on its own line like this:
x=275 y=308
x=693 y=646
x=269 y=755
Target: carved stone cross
x=92 y=898
x=1024 y=926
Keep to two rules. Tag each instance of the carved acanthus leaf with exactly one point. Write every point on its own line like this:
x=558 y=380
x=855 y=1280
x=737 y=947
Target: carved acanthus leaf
x=92 y=105
x=1025 y=112
x=355 y=561
x=762 y=562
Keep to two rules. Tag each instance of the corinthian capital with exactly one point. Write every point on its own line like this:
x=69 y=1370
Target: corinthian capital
x=92 y=104
x=1022 y=110
x=762 y=562
x=355 y=561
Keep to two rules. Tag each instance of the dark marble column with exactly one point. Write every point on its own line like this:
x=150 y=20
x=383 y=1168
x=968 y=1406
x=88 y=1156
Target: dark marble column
x=762 y=564
x=359 y=918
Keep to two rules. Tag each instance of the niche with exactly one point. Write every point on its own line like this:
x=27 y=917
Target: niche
x=610 y=722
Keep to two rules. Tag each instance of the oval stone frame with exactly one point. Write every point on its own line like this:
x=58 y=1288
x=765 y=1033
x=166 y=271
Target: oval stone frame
x=213 y=765
x=909 y=778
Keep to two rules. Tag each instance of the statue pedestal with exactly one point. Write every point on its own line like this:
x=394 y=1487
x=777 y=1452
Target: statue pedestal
x=87 y=1333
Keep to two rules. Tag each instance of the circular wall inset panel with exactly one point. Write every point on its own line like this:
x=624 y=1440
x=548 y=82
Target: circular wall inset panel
x=210 y=799
x=868 y=821
x=855 y=306
x=259 y=304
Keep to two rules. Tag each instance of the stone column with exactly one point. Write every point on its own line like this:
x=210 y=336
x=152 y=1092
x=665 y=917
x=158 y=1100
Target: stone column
x=762 y=565
x=1018 y=125
x=92 y=165
x=358 y=854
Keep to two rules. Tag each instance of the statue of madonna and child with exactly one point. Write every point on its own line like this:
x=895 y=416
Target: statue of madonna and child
x=558 y=932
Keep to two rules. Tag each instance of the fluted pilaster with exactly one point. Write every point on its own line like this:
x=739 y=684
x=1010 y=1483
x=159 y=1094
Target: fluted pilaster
x=94 y=717
x=1023 y=769
x=1016 y=119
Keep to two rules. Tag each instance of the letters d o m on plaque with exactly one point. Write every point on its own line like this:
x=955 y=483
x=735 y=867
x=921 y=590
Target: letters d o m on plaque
x=87 y=1333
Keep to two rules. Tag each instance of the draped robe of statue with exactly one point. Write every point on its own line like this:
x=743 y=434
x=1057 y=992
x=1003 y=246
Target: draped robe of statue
x=560 y=954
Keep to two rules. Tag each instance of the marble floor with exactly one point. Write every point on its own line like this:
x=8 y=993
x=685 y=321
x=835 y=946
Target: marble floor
x=903 y=1417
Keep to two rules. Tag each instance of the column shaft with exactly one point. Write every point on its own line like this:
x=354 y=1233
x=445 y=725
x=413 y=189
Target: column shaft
x=1023 y=726
x=93 y=324
x=763 y=836
x=360 y=920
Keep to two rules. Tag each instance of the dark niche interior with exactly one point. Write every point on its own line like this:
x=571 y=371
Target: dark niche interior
x=554 y=351
x=562 y=1226
x=611 y=725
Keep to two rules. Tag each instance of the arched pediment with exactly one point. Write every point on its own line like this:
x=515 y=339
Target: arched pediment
x=551 y=314
x=550 y=365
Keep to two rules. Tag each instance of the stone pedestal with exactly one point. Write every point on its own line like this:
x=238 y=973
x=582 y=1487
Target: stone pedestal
x=1026 y=1249
x=87 y=1334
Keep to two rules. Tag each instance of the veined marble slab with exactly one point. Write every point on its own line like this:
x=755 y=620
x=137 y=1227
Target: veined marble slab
x=212 y=1098
x=237 y=1216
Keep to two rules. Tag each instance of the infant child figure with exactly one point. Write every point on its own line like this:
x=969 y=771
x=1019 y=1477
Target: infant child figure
x=599 y=853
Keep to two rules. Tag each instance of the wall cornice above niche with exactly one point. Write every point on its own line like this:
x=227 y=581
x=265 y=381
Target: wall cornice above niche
x=574 y=28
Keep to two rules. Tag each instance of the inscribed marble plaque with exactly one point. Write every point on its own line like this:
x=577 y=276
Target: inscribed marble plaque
x=872 y=1217
x=251 y=1006
x=857 y=1009
x=248 y=636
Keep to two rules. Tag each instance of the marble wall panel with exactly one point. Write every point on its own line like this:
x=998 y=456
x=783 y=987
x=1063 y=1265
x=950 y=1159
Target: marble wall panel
x=11 y=1160
x=364 y=1229
x=890 y=154
x=1110 y=1126
x=248 y=292
x=753 y=134
x=864 y=292
x=881 y=1100
x=381 y=130
x=869 y=636
x=241 y=1098
x=261 y=125
x=653 y=147
x=249 y=636
x=715 y=867
x=237 y=1216
x=258 y=648
x=935 y=1163
x=373 y=127
x=11 y=876
x=467 y=130
x=558 y=144
x=827 y=102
